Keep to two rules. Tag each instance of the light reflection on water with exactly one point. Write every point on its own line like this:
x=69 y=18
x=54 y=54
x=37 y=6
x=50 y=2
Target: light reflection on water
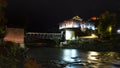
x=99 y=58
x=68 y=54
x=92 y=55
x=103 y=59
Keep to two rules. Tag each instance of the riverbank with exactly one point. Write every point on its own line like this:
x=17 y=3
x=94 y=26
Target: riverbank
x=96 y=45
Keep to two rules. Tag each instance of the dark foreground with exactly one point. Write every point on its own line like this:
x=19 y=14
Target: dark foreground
x=87 y=56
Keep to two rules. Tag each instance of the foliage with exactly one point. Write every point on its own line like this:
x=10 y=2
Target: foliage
x=107 y=21
x=3 y=3
x=57 y=42
x=3 y=20
x=9 y=55
x=31 y=63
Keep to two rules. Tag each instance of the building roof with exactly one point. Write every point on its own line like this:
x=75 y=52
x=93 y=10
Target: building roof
x=15 y=35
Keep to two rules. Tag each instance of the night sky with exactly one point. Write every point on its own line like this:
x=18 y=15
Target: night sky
x=45 y=15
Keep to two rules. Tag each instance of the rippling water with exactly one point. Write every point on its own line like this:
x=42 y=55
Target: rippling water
x=93 y=59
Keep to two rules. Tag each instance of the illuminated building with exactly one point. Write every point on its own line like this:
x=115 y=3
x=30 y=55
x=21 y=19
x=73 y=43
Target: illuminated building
x=15 y=35
x=73 y=28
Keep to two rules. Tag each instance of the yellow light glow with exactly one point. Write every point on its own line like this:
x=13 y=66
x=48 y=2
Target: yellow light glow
x=93 y=35
x=110 y=28
x=93 y=55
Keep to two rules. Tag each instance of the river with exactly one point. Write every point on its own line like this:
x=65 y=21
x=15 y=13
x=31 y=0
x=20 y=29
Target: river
x=76 y=58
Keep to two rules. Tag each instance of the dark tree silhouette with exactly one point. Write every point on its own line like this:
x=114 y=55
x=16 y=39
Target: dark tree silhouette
x=3 y=20
x=107 y=21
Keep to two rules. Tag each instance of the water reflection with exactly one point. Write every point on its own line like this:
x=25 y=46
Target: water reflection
x=103 y=56
x=103 y=59
x=68 y=54
x=95 y=59
x=110 y=56
x=92 y=55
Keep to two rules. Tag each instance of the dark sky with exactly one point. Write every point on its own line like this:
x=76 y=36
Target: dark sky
x=44 y=15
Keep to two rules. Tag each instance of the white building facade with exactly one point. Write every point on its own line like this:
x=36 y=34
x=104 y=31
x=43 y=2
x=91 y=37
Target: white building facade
x=73 y=28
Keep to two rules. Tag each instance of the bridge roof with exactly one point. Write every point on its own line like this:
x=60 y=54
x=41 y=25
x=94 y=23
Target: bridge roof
x=41 y=33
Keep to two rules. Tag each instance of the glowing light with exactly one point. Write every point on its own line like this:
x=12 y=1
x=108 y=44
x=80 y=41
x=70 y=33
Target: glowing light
x=94 y=18
x=93 y=35
x=77 y=18
x=83 y=27
x=67 y=54
x=88 y=26
x=75 y=25
x=93 y=27
x=22 y=45
x=70 y=35
x=93 y=55
x=110 y=28
x=69 y=24
x=118 y=31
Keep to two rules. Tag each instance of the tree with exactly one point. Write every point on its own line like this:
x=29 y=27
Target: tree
x=10 y=55
x=3 y=20
x=107 y=21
